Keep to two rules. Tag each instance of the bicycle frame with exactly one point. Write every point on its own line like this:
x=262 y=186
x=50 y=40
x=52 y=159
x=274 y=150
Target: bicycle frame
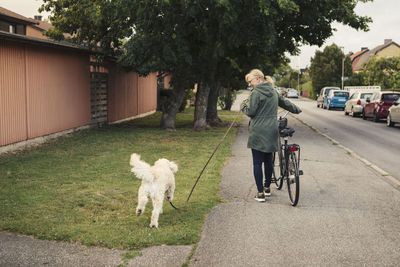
x=289 y=161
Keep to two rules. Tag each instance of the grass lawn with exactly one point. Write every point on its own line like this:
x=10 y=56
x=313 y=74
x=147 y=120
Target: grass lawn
x=80 y=189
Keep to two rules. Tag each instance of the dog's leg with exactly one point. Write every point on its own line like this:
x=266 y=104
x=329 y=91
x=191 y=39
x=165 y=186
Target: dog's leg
x=142 y=201
x=157 y=207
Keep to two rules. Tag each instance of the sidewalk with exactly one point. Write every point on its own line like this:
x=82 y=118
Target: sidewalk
x=347 y=216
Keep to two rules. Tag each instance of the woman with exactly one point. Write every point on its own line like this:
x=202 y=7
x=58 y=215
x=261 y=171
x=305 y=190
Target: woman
x=261 y=107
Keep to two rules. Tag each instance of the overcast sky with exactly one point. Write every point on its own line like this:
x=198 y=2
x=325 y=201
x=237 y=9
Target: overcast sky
x=385 y=15
x=386 y=21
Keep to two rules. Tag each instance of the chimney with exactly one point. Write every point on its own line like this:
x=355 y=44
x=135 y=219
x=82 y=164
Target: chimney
x=37 y=17
x=386 y=41
x=363 y=48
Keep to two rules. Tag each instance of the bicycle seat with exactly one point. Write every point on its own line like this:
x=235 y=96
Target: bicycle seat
x=287 y=132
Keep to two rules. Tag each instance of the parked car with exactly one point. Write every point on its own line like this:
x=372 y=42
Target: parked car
x=322 y=95
x=292 y=93
x=335 y=99
x=378 y=105
x=354 y=106
x=393 y=114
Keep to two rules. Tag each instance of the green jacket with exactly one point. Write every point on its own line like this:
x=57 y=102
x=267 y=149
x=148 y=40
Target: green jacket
x=262 y=107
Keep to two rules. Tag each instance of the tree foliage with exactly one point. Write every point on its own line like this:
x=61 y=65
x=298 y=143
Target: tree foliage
x=326 y=67
x=384 y=72
x=356 y=79
x=209 y=42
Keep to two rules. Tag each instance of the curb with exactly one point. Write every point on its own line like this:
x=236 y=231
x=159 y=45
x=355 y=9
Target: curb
x=384 y=175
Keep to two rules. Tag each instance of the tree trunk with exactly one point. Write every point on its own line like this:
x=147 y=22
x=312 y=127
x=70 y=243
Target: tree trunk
x=212 y=113
x=200 y=111
x=171 y=108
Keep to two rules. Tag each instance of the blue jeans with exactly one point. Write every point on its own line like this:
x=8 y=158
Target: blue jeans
x=258 y=159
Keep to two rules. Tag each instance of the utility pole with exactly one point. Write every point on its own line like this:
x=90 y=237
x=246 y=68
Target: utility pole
x=342 y=66
x=298 y=75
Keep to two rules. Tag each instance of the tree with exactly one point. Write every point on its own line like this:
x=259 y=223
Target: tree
x=326 y=67
x=384 y=72
x=199 y=41
x=356 y=79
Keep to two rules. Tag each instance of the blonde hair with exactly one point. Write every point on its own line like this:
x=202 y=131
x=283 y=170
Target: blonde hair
x=254 y=74
x=268 y=79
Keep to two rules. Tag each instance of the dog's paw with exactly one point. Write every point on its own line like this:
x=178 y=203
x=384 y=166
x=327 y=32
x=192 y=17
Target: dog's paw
x=139 y=212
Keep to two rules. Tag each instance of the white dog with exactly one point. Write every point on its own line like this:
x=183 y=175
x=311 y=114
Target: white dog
x=157 y=180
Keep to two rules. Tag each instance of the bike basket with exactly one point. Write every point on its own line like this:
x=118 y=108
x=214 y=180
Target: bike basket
x=282 y=123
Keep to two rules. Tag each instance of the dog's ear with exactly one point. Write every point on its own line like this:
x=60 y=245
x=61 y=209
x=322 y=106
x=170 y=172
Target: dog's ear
x=173 y=166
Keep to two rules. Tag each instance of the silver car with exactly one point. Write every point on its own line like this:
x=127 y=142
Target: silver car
x=292 y=93
x=354 y=106
x=393 y=114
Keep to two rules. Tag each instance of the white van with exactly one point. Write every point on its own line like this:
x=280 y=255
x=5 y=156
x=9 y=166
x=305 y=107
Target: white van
x=364 y=89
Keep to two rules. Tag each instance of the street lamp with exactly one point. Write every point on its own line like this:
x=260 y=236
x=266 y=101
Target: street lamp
x=342 y=66
x=298 y=74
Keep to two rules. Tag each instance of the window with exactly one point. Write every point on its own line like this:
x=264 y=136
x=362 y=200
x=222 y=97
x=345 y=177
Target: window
x=327 y=90
x=12 y=29
x=342 y=94
x=390 y=97
x=365 y=95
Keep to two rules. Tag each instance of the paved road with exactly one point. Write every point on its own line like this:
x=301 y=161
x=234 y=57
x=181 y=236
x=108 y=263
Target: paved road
x=375 y=142
x=347 y=214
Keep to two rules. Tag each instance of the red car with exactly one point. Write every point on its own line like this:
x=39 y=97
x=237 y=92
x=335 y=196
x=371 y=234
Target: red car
x=378 y=105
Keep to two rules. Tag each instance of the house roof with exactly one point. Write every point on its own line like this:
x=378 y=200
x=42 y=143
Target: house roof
x=16 y=17
x=365 y=57
x=42 y=42
x=359 y=53
x=43 y=25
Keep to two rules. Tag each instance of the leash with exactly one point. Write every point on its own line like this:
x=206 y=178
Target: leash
x=205 y=166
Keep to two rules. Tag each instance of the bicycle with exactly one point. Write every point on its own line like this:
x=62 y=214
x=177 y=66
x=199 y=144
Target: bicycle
x=288 y=157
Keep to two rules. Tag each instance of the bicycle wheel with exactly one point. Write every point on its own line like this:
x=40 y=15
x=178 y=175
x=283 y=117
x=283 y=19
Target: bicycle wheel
x=293 y=181
x=276 y=178
x=278 y=166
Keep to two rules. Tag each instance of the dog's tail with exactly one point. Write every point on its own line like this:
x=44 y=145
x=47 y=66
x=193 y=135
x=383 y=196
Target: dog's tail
x=140 y=168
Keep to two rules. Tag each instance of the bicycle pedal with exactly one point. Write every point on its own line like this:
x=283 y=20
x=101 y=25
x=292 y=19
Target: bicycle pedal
x=300 y=172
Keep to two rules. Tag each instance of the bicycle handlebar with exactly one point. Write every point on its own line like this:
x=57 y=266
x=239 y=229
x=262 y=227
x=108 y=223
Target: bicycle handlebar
x=281 y=117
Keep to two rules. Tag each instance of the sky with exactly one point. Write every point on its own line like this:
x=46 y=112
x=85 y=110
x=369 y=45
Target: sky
x=385 y=25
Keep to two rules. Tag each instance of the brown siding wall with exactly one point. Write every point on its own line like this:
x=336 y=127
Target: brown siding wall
x=30 y=31
x=130 y=95
x=147 y=93
x=47 y=90
x=42 y=91
x=58 y=91
x=13 y=126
